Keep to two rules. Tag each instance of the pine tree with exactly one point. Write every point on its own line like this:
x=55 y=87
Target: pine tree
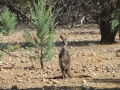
x=43 y=23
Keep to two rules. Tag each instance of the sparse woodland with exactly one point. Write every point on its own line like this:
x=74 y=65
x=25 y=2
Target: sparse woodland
x=30 y=43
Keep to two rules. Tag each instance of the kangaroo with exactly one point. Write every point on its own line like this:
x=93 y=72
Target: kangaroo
x=65 y=61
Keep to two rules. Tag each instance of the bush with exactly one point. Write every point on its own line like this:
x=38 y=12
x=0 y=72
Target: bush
x=8 y=21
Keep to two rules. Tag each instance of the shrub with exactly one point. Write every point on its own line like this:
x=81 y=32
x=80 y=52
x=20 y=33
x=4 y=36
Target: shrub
x=8 y=21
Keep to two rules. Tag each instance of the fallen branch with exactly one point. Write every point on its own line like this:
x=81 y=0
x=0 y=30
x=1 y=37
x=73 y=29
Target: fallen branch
x=9 y=53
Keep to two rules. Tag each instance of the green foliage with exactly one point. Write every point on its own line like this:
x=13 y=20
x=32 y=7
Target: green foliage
x=30 y=41
x=33 y=57
x=27 y=37
x=8 y=21
x=50 y=44
x=115 y=22
x=12 y=48
x=1 y=54
x=44 y=25
x=116 y=16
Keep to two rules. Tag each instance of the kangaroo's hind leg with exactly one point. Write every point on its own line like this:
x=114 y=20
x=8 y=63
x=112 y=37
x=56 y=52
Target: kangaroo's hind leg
x=63 y=74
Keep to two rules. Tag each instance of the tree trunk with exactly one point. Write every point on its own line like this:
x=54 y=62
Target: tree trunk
x=107 y=35
x=41 y=59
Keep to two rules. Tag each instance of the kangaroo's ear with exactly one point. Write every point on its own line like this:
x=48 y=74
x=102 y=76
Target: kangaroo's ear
x=61 y=37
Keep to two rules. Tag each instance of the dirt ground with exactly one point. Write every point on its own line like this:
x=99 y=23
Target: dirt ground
x=100 y=62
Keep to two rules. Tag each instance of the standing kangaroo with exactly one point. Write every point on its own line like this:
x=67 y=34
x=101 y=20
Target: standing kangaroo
x=64 y=59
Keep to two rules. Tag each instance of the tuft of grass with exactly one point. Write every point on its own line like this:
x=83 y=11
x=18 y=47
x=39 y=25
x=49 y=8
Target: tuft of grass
x=33 y=57
x=12 y=48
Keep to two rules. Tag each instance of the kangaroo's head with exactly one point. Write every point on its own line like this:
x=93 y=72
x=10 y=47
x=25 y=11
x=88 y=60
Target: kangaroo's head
x=64 y=41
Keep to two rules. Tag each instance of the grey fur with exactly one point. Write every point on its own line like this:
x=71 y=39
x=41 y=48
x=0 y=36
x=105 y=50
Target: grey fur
x=64 y=59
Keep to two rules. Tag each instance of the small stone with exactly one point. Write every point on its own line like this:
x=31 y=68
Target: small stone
x=107 y=58
x=48 y=82
x=4 y=78
x=36 y=77
x=19 y=80
x=84 y=82
x=55 y=82
x=14 y=65
x=78 y=55
x=72 y=68
x=24 y=73
x=22 y=61
x=6 y=63
x=83 y=54
x=56 y=56
x=93 y=59
x=32 y=72
x=48 y=67
x=27 y=52
x=113 y=72
x=1 y=64
x=94 y=74
x=26 y=61
x=118 y=54
x=42 y=79
x=58 y=69
x=108 y=70
x=114 y=75
x=1 y=68
x=33 y=81
x=20 y=75
x=75 y=71
x=28 y=79
x=99 y=60
x=32 y=66
x=93 y=55
x=97 y=69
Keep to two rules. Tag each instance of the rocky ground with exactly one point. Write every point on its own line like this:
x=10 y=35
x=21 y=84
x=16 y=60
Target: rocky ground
x=100 y=62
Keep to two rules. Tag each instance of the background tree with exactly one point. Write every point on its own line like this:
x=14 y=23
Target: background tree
x=108 y=14
x=104 y=12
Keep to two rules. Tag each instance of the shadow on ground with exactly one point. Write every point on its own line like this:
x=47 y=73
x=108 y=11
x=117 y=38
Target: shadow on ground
x=57 y=44
x=115 y=81
x=63 y=88
x=78 y=43
x=83 y=87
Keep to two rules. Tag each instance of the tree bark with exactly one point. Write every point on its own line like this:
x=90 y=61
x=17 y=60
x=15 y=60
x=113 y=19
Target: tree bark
x=107 y=35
